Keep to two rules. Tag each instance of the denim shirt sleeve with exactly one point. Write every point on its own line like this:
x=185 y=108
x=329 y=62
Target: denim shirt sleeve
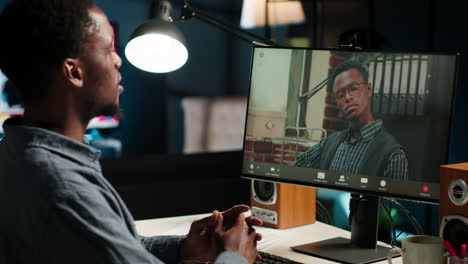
x=230 y=257
x=85 y=228
x=165 y=248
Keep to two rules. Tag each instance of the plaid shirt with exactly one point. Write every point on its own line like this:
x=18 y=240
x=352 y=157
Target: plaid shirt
x=348 y=155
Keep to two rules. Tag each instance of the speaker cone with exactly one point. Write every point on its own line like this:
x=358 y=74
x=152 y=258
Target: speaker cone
x=264 y=191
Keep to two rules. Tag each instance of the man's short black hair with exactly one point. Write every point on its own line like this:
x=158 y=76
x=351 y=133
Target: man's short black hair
x=347 y=65
x=37 y=35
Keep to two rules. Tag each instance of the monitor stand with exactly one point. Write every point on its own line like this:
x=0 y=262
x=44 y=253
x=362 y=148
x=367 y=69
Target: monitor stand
x=362 y=247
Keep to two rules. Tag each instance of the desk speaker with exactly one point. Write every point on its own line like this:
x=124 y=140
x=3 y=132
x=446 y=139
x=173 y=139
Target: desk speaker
x=282 y=206
x=454 y=204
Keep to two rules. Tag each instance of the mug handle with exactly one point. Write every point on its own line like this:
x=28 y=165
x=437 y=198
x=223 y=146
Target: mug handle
x=391 y=253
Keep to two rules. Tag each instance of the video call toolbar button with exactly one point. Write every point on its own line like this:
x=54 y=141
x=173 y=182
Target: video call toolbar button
x=364 y=180
x=425 y=188
x=383 y=183
x=321 y=175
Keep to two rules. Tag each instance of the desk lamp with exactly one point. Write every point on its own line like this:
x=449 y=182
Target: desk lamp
x=158 y=46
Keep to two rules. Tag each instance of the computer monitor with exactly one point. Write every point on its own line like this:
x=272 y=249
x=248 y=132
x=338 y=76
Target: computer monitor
x=370 y=123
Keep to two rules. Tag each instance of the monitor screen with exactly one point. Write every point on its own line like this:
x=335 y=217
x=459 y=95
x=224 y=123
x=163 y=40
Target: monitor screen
x=367 y=122
x=370 y=123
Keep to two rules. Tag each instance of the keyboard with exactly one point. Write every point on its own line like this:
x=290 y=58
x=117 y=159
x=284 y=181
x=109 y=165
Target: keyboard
x=274 y=259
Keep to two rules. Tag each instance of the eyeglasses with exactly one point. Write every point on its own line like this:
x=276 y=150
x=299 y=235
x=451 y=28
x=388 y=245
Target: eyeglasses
x=352 y=89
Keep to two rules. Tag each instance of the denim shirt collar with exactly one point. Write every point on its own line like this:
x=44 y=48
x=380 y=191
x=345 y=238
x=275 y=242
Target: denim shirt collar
x=52 y=141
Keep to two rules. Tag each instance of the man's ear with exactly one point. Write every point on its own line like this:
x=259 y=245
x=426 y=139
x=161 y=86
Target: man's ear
x=73 y=71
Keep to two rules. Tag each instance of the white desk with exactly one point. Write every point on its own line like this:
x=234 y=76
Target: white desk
x=274 y=241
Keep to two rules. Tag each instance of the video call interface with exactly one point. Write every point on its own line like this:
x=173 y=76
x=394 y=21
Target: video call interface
x=355 y=121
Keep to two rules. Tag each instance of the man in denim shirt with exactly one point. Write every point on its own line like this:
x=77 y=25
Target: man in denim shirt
x=56 y=205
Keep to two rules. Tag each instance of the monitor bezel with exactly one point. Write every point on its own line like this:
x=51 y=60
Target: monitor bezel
x=414 y=198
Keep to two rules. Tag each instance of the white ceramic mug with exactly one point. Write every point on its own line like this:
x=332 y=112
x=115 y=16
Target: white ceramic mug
x=420 y=249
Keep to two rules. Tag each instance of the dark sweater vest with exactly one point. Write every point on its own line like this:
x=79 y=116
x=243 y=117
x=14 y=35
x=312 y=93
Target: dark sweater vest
x=374 y=160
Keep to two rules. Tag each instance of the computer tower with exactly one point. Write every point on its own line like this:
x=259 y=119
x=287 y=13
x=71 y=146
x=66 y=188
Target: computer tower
x=454 y=204
x=283 y=206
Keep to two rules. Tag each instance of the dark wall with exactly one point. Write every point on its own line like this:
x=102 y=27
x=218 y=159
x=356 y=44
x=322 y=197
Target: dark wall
x=449 y=26
x=151 y=186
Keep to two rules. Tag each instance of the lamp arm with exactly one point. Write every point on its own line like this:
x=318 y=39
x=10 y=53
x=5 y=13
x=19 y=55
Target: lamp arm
x=303 y=98
x=189 y=12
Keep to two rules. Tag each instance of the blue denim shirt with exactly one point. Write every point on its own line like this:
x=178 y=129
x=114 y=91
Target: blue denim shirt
x=56 y=207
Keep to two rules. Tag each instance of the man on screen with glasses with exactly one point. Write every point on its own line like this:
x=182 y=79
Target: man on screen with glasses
x=365 y=147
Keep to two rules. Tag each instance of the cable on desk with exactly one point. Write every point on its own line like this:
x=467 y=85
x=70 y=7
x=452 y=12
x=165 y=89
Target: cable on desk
x=412 y=219
x=322 y=213
x=392 y=226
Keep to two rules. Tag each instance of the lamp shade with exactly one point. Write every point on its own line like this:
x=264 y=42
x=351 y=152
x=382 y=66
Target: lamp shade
x=157 y=46
x=280 y=12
